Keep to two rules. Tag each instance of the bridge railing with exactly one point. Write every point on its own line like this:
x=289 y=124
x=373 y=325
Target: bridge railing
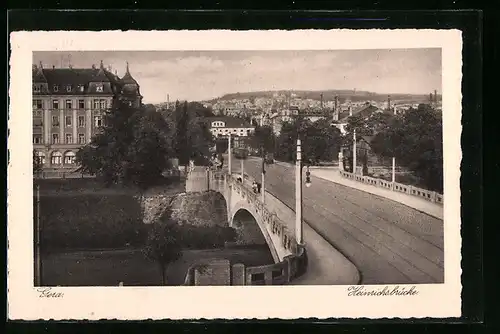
x=395 y=186
x=283 y=272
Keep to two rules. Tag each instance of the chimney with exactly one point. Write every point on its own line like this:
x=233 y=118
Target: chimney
x=430 y=98
x=336 y=109
x=435 y=96
x=93 y=66
x=388 y=102
x=53 y=66
x=321 y=100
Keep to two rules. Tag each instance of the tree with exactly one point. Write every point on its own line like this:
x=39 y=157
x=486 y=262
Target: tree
x=200 y=140
x=263 y=139
x=191 y=136
x=37 y=163
x=221 y=145
x=132 y=147
x=163 y=246
x=415 y=139
x=320 y=141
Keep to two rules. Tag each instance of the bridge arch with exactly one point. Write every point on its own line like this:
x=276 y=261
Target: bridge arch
x=250 y=226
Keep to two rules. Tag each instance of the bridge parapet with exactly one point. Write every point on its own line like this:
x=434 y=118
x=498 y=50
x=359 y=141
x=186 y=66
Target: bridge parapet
x=222 y=181
x=291 y=261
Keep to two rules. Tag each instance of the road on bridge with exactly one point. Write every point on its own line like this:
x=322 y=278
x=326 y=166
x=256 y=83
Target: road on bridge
x=388 y=242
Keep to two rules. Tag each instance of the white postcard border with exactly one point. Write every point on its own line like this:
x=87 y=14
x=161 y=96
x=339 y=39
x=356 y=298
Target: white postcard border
x=285 y=302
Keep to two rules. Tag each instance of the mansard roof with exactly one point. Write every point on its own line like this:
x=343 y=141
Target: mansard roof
x=78 y=77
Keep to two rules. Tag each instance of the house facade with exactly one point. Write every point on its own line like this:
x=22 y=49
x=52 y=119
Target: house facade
x=223 y=126
x=68 y=109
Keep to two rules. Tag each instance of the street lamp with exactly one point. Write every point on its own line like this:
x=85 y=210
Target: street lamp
x=308 y=177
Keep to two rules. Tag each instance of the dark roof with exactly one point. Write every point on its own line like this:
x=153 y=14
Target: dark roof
x=127 y=78
x=83 y=77
x=231 y=122
x=367 y=139
x=364 y=110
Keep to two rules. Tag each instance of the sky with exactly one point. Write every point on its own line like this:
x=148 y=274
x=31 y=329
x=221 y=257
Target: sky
x=203 y=75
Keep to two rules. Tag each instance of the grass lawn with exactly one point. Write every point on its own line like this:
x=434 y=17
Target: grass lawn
x=84 y=214
x=130 y=266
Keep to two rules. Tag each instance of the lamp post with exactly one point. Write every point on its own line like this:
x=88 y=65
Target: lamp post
x=354 y=152
x=263 y=177
x=298 y=194
x=394 y=164
x=38 y=256
x=208 y=178
x=229 y=158
x=242 y=167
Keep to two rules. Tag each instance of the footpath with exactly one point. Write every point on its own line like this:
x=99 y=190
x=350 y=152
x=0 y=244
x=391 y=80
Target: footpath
x=326 y=265
x=333 y=175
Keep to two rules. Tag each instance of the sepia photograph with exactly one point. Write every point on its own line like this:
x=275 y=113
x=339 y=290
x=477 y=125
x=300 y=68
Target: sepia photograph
x=244 y=167
x=238 y=168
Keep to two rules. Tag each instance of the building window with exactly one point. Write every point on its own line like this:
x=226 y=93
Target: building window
x=69 y=104
x=69 y=138
x=81 y=104
x=37 y=121
x=56 y=88
x=37 y=139
x=97 y=121
x=68 y=120
x=36 y=88
x=55 y=104
x=81 y=138
x=55 y=138
x=81 y=121
x=69 y=158
x=68 y=88
x=55 y=120
x=55 y=158
x=81 y=88
x=99 y=88
x=96 y=104
x=102 y=104
x=37 y=104
x=40 y=157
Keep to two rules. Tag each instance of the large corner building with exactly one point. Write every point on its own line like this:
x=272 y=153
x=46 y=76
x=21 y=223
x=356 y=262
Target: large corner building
x=68 y=108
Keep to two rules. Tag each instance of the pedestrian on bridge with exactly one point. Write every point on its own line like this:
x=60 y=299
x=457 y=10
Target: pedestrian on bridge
x=254 y=187
x=259 y=186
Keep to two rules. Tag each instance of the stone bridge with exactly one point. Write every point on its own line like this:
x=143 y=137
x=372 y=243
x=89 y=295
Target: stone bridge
x=241 y=200
x=242 y=203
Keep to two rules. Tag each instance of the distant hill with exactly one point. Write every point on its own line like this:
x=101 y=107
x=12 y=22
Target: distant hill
x=330 y=95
